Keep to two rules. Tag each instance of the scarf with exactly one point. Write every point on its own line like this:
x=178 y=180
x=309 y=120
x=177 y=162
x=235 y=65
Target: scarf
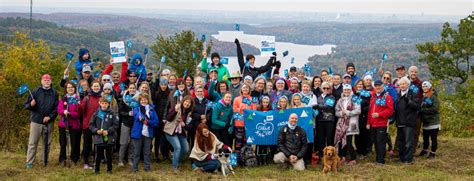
x=291 y=126
x=96 y=94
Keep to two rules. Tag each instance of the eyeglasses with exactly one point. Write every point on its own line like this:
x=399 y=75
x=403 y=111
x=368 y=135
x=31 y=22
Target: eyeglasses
x=132 y=76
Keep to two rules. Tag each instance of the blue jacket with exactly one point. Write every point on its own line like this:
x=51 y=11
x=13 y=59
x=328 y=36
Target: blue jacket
x=80 y=62
x=139 y=69
x=137 y=127
x=354 y=79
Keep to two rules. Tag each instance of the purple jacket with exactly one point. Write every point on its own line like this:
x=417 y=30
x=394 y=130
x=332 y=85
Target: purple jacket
x=73 y=109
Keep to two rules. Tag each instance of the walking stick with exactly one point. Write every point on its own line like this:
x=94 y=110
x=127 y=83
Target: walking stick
x=46 y=146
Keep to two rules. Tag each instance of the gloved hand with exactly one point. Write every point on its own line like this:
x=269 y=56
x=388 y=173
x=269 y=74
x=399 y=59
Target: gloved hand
x=278 y=64
x=236 y=41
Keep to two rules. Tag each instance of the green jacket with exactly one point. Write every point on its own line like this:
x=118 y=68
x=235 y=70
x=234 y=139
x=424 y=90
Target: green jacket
x=430 y=111
x=221 y=116
x=222 y=72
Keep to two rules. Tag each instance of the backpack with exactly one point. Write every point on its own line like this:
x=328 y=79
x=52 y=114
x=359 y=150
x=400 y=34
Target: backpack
x=247 y=157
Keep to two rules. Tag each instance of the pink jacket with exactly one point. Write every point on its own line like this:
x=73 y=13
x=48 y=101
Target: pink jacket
x=73 y=117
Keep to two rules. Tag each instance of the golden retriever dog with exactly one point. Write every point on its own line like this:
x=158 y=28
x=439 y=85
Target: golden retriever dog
x=330 y=160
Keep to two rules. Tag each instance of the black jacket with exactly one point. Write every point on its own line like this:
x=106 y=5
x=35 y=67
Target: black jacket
x=407 y=109
x=326 y=112
x=110 y=123
x=254 y=72
x=292 y=142
x=337 y=92
x=46 y=104
x=160 y=100
x=124 y=114
x=429 y=112
x=200 y=109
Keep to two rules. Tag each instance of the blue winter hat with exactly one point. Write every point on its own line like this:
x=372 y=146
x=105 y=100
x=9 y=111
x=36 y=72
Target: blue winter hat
x=163 y=81
x=378 y=82
x=83 y=51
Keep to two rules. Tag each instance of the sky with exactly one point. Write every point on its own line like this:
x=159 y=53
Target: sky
x=428 y=7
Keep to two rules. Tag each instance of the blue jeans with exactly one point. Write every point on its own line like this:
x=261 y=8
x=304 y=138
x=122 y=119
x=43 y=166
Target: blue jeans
x=208 y=165
x=180 y=147
x=405 y=142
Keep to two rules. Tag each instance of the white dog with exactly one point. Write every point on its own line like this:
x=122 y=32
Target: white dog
x=224 y=157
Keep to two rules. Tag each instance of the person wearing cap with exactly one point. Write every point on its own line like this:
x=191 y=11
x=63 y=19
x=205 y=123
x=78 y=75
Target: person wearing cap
x=42 y=103
x=105 y=79
x=337 y=86
x=406 y=115
x=401 y=72
x=368 y=83
x=280 y=90
x=138 y=67
x=108 y=92
x=325 y=119
x=346 y=79
x=160 y=99
x=347 y=111
x=83 y=60
x=86 y=75
x=249 y=68
x=216 y=88
x=235 y=83
x=222 y=72
x=350 y=69
x=248 y=80
x=118 y=78
x=430 y=117
x=380 y=110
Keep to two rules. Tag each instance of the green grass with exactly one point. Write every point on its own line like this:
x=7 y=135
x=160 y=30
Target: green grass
x=455 y=161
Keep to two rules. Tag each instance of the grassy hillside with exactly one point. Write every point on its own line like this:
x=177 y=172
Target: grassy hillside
x=453 y=162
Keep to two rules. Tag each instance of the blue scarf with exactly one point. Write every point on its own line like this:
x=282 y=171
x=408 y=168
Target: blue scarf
x=291 y=126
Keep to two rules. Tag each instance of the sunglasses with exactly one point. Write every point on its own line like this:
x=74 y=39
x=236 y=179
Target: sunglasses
x=105 y=79
x=132 y=76
x=326 y=88
x=386 y=78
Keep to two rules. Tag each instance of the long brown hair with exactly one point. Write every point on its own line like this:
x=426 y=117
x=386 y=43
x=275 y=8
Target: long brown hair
x=204 y=143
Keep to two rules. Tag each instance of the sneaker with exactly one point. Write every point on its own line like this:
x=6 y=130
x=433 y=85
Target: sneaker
x=130 y=163
x=120 y=164
x=29 y=166
x=423 y=153
x=432 y=155
x=87 y=167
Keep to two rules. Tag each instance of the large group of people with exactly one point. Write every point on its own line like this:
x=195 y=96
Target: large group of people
x=132 y=113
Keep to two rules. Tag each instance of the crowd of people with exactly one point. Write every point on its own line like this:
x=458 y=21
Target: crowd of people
x=136 y=115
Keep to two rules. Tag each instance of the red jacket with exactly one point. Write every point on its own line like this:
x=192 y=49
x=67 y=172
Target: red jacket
x=123 y=75
x=87 y=109
x=385 y=112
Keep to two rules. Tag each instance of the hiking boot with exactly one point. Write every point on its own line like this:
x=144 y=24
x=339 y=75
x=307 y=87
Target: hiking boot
x=120 y=164
x=432 y=155
x=423 y=153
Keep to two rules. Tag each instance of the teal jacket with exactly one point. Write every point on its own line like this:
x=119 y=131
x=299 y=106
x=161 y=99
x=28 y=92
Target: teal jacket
x=222 y=72
x=221 y=116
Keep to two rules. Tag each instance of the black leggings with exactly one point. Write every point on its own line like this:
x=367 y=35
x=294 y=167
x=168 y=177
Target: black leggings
x=74 y=141
x=433 y=134
x=325 y=135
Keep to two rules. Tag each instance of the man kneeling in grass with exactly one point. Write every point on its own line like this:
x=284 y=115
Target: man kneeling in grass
x=292 y=145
